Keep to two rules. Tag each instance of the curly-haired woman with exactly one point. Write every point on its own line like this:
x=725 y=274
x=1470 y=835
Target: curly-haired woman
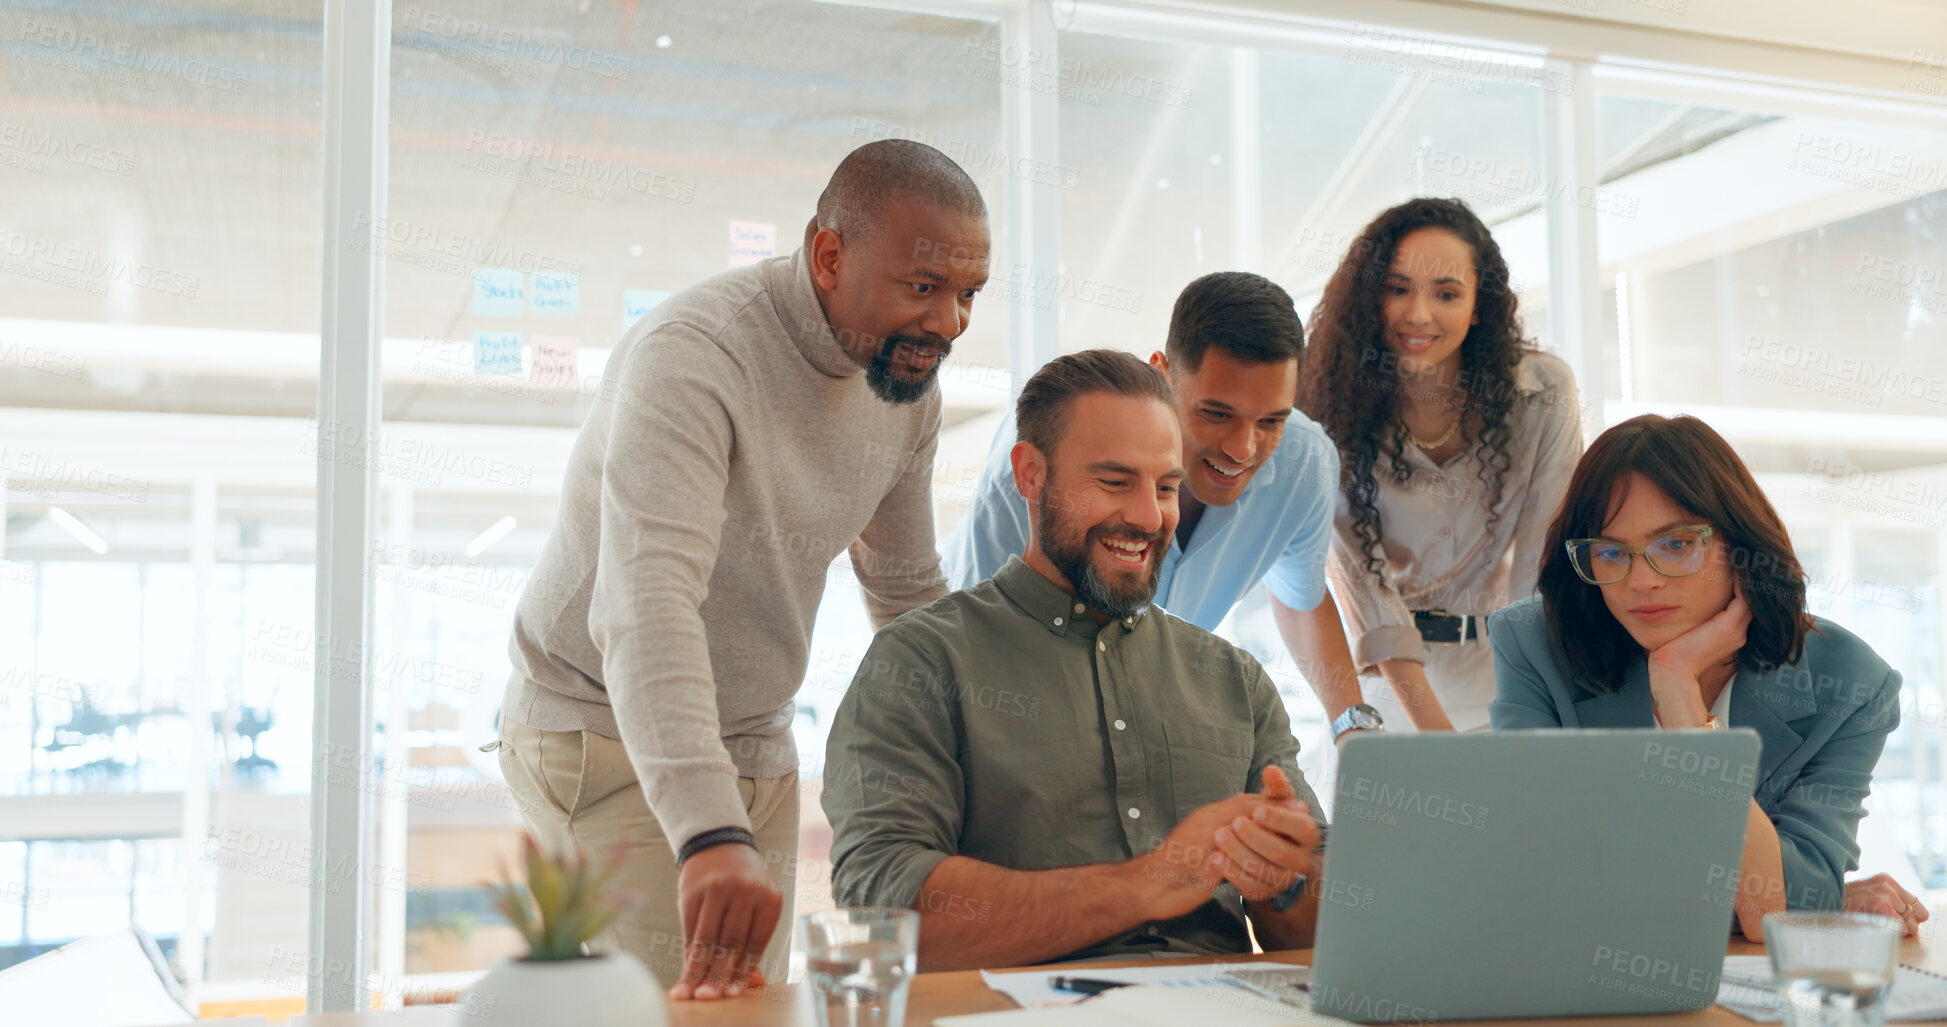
x=1456 y=440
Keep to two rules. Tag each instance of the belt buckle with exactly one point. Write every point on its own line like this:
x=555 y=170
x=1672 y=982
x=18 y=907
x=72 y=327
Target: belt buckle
x=1443 y=630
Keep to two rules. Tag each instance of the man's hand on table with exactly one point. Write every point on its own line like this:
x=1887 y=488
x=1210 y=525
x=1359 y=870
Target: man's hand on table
x=1265 y=850
x=1882 y=895
x=730 y=908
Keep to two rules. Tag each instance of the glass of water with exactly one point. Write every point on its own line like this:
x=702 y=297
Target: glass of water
x=1832 y=969
x=858 y=963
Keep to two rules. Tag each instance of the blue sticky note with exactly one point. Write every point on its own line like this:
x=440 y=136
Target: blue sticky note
x=752 y=241
x=496 y=352
x=556 y=294
x=637 y=302
x=497 y=292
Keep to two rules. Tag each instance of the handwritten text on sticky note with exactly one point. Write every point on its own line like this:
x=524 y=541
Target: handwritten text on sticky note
x=557 y=293
x=496 y=352
x=498 y=292
x=554 y=359
x=752 y=241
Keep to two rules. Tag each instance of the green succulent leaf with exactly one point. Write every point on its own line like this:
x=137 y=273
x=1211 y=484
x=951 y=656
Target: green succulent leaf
x=566 y=902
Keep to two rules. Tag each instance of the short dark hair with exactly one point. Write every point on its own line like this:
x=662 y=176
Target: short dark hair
x=1247 y=316
x=1041 y=412
x=874 y=173
x=1703 y=475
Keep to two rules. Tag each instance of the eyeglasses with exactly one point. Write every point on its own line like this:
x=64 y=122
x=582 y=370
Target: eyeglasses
x=1601 y=561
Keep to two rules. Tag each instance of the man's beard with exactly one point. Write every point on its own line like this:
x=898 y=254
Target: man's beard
x=1074 y=558
x=888 y=385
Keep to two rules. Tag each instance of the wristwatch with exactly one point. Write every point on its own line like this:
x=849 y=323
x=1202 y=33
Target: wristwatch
x=1359 y=717
x=1289 y=897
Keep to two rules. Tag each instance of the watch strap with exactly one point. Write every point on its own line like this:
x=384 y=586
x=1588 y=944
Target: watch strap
x=710 y=839
x=1284 y=900
x=1344 y=721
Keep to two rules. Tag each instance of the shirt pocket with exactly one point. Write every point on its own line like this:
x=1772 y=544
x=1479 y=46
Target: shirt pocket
x=1208 y=762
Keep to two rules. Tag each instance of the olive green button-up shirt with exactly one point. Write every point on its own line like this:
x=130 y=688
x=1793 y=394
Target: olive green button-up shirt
x=1001 y=723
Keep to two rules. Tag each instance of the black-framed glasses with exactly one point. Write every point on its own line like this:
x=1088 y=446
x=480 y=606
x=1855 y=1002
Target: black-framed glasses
x=1675 y=554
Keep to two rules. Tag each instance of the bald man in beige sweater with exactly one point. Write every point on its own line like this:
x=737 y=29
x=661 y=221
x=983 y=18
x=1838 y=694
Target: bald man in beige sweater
x=748 y=431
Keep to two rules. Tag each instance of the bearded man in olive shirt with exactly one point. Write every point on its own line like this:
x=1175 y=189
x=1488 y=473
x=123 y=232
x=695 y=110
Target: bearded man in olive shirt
x=1047 y=768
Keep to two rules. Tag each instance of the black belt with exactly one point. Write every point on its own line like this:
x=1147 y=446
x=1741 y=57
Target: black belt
x=1436 y=626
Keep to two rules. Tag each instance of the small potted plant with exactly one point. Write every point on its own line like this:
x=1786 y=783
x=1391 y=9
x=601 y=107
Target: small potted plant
x=565 y=902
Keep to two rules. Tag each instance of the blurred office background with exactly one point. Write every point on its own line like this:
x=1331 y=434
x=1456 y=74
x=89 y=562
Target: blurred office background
x=1757 y=225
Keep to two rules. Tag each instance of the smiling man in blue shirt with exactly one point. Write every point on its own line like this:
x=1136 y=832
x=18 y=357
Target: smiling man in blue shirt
x=1259 y=499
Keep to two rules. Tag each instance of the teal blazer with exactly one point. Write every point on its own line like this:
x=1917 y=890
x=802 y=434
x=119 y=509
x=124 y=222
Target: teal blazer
x=1821 y=723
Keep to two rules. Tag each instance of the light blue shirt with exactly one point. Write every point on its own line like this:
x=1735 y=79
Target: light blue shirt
x=1278 y=532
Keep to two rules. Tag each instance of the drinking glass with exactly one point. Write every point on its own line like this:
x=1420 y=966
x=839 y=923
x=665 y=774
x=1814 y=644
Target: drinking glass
x=1832 y=969
x=859 y=962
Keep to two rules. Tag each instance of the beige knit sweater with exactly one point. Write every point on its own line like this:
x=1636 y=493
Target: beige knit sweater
x=734 y=451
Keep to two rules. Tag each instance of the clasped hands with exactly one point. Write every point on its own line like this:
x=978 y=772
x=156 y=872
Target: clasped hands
x=1260 y=842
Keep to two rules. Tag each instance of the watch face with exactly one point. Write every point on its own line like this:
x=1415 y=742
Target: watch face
x=1358 y=718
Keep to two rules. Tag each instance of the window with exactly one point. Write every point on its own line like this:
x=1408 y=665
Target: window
x=555 y=174
x=158 y=375
x=1779 y=274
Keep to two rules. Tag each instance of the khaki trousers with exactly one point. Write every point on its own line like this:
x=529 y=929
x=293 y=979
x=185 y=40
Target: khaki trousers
x=578 y=792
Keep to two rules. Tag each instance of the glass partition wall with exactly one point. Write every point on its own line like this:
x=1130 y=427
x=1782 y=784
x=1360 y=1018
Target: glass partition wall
x=159 y=277
x=553 y=174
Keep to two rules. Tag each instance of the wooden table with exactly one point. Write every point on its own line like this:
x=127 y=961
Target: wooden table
x=944 y=994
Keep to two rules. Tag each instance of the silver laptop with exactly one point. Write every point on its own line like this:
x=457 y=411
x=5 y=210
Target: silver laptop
x=1531 y=873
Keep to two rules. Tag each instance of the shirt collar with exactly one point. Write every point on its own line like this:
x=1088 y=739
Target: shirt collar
x=796 y=302
x=1721 y=709
x=1045 y=601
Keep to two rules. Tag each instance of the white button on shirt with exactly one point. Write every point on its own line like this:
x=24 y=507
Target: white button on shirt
x=1121 y=725
x=1135 y=814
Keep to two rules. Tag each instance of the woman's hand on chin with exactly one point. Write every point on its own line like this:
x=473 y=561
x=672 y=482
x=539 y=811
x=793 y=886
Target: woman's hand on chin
x=1677 y=665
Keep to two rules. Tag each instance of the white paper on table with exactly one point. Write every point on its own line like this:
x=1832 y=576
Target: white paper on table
x=1747 y=988
x=1030 y=988
x=1152 y=1005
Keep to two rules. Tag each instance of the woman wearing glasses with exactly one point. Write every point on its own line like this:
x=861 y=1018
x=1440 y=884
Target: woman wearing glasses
x=1669 y=596
x=1455 y=440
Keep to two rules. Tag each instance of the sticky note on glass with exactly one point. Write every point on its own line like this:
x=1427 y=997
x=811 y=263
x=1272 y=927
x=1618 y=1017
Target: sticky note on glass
x=554 y=359
x=498 y=292
x=556 y=294
x=637 y=302
x=752 y=241
x=496 y=352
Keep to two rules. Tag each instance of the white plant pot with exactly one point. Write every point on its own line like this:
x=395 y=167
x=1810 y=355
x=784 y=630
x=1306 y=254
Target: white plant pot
x=611 y=990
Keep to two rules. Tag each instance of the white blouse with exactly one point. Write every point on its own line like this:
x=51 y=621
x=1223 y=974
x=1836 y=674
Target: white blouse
x=1438 y=551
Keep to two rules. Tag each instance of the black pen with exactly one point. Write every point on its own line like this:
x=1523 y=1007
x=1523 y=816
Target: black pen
x=1083 y=985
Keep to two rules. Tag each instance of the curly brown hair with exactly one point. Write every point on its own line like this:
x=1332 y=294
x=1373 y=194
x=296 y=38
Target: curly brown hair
x=1350 y=387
